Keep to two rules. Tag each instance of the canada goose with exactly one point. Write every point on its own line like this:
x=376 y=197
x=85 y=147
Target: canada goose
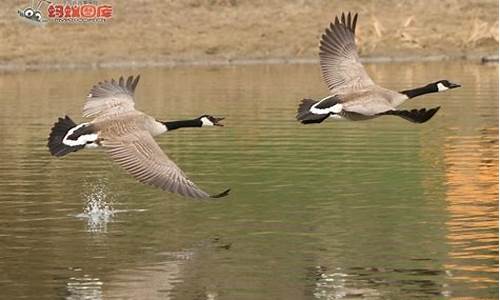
x=353 y=95
x=127 y=135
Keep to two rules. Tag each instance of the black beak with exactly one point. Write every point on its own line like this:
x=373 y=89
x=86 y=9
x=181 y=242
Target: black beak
x=454 y=85
x=216 y=121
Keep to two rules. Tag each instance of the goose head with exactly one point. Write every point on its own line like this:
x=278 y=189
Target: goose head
x=443 y=85
x=207 y=120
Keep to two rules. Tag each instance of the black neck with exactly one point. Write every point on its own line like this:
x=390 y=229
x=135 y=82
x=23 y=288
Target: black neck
x=181 y=124
x=430 y=88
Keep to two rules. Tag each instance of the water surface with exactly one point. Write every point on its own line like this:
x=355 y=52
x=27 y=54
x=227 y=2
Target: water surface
x=380 y=209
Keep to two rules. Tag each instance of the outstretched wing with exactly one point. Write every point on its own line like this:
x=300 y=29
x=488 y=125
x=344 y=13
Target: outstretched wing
x=340 y=64
x=415 y=115
x=111 y=97
x=138 y=153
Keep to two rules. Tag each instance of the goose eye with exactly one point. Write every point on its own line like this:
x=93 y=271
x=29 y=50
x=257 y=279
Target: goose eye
x=28 y=12
x=38 y=16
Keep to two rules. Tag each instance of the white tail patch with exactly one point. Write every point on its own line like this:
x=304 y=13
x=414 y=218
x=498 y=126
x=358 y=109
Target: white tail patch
x=335 y=107
x=323 y=111
x=91 y=146
x=81 y=140
x=337 y=117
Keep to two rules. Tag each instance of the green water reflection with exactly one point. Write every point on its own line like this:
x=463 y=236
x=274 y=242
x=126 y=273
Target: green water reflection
x=382 y=209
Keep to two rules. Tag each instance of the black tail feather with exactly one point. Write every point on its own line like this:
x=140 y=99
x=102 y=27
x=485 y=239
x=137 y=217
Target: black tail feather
x=305 y=116
x=317 y=119
x=57 y=134
x=304 y=107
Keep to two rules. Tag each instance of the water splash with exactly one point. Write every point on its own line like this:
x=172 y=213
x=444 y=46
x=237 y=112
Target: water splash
x=85 y=287
x=338 y=285
x=99 y=207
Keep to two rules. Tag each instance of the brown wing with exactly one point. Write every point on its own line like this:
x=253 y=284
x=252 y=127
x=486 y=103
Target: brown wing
x=139 y=154
x=111 y=97
x=340 y=64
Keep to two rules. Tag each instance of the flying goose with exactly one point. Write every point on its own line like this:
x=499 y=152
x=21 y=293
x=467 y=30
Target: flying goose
x=127 y=135
x=353 y=95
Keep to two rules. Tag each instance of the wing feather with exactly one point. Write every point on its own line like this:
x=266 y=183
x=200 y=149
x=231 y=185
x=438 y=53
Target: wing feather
x=111 y=97
x=415 y=115
x=139 y=154
x=340 y=65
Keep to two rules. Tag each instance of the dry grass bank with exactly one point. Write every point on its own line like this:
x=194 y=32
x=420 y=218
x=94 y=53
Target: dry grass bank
x=156 y=31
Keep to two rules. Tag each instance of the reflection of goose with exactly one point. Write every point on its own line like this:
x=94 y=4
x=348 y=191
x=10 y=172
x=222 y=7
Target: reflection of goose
x=354 y=96
x=127 y=135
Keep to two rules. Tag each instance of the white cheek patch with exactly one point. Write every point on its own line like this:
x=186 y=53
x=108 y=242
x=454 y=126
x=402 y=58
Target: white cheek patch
x=441 y=87
x=81 y=140
x=206 y=122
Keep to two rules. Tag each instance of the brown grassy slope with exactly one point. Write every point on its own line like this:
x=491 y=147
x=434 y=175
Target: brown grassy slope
x=152 y=30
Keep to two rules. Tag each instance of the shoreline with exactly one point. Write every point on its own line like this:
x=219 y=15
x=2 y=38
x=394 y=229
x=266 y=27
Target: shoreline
x=166 y=34
x=173 y=63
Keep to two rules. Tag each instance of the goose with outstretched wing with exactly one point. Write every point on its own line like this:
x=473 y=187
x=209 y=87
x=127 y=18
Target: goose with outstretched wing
x=127 y=135
x=353 y=94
